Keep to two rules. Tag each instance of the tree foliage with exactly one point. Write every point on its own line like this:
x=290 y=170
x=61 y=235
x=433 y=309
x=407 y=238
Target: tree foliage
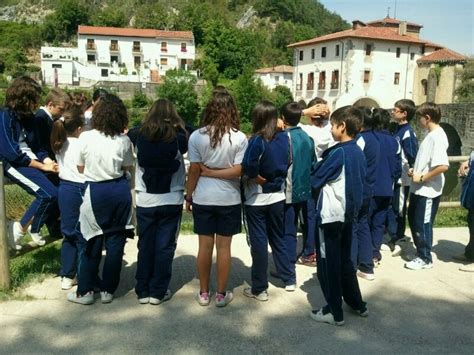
x=465 y=91
x=63 y=23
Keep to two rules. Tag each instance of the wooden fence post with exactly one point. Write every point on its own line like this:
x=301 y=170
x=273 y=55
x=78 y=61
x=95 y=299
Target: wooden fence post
x=4 y=257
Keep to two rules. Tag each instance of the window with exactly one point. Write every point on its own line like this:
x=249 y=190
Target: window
x=424 y=85
x=114 y=45
x=114 y=58
x=322 y=80
x=310 y=83
x=396 y=79
x=301 y=55
x=57 y=66
x=163 y=61
x=423 y=49
x=335 y=79
x=137 y=61
x=300 y=86
x=412 y=56
x=399 y=51
x=164 y=46
x=91 y=57
x=368 y=49
x=104 y=72
x=312 y=53
x=337 y=50
x=323 y=52
x=90 y=43
x=366 y=76
x=183 y=47
x=136 y=46
x=183 y=64
x=277 y=78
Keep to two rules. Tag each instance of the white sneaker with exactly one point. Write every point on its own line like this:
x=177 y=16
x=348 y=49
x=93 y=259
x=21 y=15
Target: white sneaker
x=418 y=264
x=67 y=283
x=14 y=235
x=384 y=247
x=318 y=316
x=203 y=298
x=38 y=239
x=290 y=288
x=156 y=301
x=262 y=296
x=223 y=300
x=397 y=250
x=106 y=297
x=144 y=300
x=86 y=299
x=366 y=276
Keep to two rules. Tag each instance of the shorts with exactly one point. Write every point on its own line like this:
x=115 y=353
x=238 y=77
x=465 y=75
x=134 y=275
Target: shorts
x=222 y=220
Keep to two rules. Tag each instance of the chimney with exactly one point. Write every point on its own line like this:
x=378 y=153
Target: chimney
x=357 y=24
x=402 y=28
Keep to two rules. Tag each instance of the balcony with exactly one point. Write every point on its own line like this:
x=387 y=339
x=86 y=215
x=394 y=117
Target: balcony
x=90 y=47
x=114 y=48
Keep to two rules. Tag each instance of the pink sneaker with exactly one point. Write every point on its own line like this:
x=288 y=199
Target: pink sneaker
x=203 y=298
x=223 y=300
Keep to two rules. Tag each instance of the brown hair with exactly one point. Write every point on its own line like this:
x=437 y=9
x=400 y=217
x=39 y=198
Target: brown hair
x=73 y=119
x=162 y=122
x=264 y=120
x=407 y=106
x=110 y=115
x=23 y=95
x=429 y=109
x=220 y=116
x=351 y=116
x=58 y=97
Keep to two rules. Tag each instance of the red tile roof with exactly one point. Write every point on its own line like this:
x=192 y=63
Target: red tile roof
x=393 y=21
x=442 y=55
x=369 y=32
x=277 y=69
x=133 y=32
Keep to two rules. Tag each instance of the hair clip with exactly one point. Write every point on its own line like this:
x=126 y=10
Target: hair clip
x=61 y=119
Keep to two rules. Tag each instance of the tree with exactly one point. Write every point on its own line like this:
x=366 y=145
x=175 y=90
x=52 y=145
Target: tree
x=179 y=88
x=139 y=100
x=110 y=17
x=465 y=91
x=15 y=62
x=62 y=24
x=281 y=95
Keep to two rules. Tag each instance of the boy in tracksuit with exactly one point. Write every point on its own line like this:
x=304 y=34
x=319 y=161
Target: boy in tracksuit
x=403 y=113
x=362 y=250
x=427 y=184
x=338 y=182
x=298 y=187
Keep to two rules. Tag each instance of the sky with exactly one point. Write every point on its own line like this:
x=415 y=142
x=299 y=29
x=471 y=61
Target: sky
x=449 y=23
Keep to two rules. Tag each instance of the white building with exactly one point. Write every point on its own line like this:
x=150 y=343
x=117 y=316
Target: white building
x=275 y=76
x=118 y=54
x=371 y=64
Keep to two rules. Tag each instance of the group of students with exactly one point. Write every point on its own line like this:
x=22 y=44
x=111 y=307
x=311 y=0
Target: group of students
x=337 y=175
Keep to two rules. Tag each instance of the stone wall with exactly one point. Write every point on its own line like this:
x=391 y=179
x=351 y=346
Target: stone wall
x=461 y=117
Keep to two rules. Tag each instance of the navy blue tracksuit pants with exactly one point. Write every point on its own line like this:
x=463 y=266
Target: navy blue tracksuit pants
x=397 y=215
x=362 y=250
x=292 y=212
x=265 y=226
x=158 y=232
x=308 y=220
x=70 y=200
x=421 y=215
x=336 y=272
x=378 y=215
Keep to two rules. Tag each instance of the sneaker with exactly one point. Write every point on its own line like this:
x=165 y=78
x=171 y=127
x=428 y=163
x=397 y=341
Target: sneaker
x=203 y=298
x=418 y=264
x=262 y=296
x=106 y=297
x=376 y=262
x=385 y=247
x=38 y=239
x=290 y=288
x=14 y=235
x=362 y=311
x=144 y=300
x=397 y=250
x=467 y=268
x=86 y=299
x=223 y=300
x=309 y=260
x=67 y=283
x=366 y=276
x=156 y=301
x=318 y=316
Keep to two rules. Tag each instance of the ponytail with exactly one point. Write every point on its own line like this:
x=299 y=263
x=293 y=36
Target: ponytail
x=65 y=127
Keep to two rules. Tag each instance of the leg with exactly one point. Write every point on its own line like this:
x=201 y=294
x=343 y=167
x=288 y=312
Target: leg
x=393 y=213
x=309 y=215
x=380 y=208
x=166 y=236
x=147 y=225
x=469 y=251
x=88 y=266
x=420 y=217
x=401 y=222
x=223 y=261
x=114 y=245
x=204 y=260
x=291 y=213
x=364 y=251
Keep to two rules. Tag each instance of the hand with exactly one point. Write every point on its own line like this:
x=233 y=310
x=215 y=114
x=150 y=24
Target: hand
x=417 y=178
x=189 y=207
x=260 y=180
x=205 y=171
x=280 y=124
x=50 y=167
x=48 y=160
x=463 y=169
x=317 y=110
x=410 y=172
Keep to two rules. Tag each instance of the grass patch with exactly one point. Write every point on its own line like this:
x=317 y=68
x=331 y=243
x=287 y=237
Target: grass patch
x=451 y=217
x=187 y=223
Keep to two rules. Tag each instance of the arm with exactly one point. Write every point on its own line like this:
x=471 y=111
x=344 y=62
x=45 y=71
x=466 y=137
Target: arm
x=227 y=173
x=328 y=169
x=320 y=110
x=251 y=160
x=410 y=149
x=193 y=177
x=437 y=170
x=463 y=169
x=9 y=148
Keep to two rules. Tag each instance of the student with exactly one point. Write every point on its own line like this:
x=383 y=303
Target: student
x=96 y=95
x=106 y=211
x=23 y=166
x=387 y=173
x=265 y=167
x=403 y=113
x=427 y=184
x=298 y=187
x=362 y=249
x=217 y=148
x=466 y=171
x=338 y=184
x=319 y=130
x=65 y=143
x=159 y=186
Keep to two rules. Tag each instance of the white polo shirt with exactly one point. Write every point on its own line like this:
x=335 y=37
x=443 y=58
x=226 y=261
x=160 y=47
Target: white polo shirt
x=67 y=161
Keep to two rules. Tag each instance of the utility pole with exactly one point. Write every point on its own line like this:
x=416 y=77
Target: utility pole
x=4 y=257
